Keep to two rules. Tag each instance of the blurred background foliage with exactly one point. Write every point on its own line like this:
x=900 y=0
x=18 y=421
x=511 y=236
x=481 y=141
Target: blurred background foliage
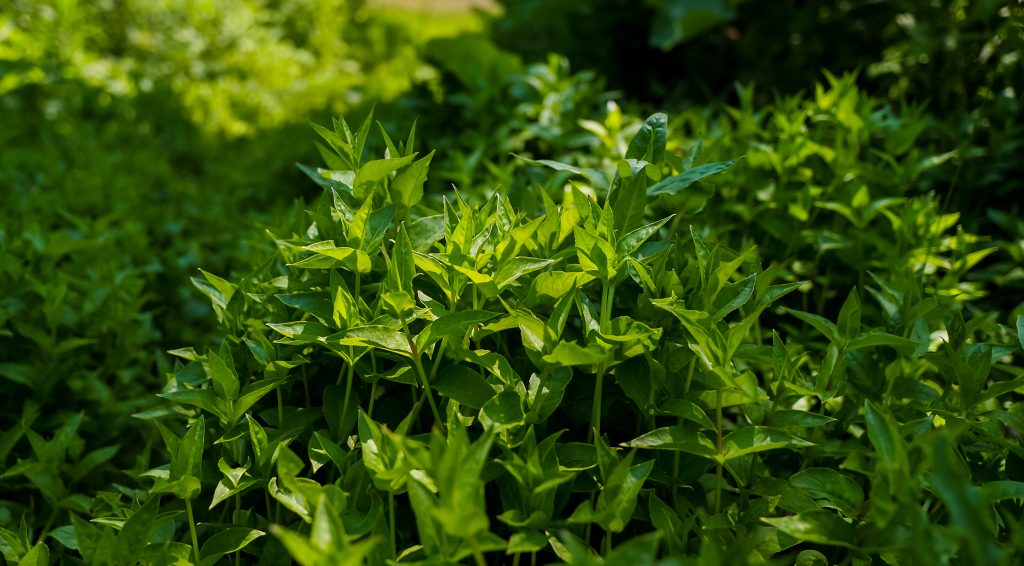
x=142 y=139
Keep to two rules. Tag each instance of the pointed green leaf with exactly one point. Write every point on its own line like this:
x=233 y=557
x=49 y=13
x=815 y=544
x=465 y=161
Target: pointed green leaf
x=225 y=381
x=464 y=385
x=226 y=541
x=596 y=177
x=682 y=181
x=751 y=439
x=676 y=438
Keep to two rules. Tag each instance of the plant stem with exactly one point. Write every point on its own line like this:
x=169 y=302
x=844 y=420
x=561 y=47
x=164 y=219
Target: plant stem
x=718 y=465
x=607 y=297
x=438 y=359
x=373 y=398
x=348 y=388
x=595 y=411
x=192 y=529
x=238 y=508
x=280 y=409
x=477 y=555
x=424 y=382
x=426 y=389
x=391 y=523
x=689 y=376
x=356 y=292
x=675 y=469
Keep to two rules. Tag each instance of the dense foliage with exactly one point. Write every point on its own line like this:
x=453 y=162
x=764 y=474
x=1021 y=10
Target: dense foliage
x=536 y=326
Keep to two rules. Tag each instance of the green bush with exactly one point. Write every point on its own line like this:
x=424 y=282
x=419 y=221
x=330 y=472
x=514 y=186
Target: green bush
x=471 y=382
x=785 y=331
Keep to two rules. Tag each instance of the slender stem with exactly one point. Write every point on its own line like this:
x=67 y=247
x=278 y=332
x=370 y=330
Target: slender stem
x=348 y=387
x=689 y=376
x=718 y=466
x=192 y=529
x=477 y=555
x=607 y=543
x=515 y=559
x=238 y=508
x=373 y=398
x=679 y=422
x=675 y=469
x=280 y=409
x=426 y=389
x=595 y=411
x=607 y=297
x=356 y=292
x=438 y=359
x=391 y=523
x=424 y=382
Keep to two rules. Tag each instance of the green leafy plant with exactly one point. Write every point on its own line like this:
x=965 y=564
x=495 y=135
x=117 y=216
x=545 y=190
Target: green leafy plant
x=435 y=385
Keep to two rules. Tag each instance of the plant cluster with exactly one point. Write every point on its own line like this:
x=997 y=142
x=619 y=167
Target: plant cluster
x=785 y=331
x=591 y=383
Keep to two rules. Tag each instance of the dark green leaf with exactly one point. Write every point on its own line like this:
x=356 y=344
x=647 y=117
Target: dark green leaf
x=464 y=385
x=677 y=438
x=682 y=181
x=822 y=527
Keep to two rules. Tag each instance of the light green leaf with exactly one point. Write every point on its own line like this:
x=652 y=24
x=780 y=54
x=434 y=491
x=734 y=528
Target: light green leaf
x=407 y=188
x=452 y=326
x=632 y=241
x=503 y=410
x=226 y=541
x=516 y=268
x=822 y=324
x=822 y=527
x=872 y=339
x=595 y=176
x=685 y=410
x=995 y=491
x=572 y=354
x=751 y=439
x=225 y=381
x=38 y=555
x=374 y=171
x=375 y=336
x=732 y=297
